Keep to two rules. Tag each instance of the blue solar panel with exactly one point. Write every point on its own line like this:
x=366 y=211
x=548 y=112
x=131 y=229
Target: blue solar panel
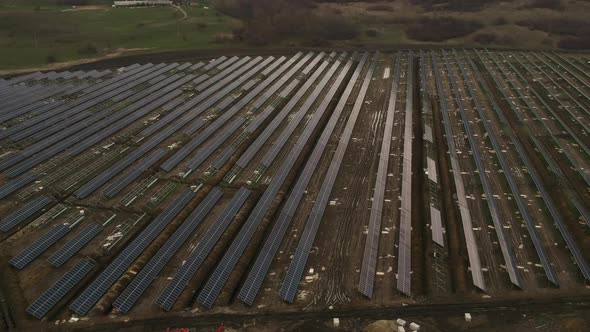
x=66 y=252
x=85 y=301
x=40 y=246
x=22 y=214
x=171 y=293
x=58 y=291
x=151 y=270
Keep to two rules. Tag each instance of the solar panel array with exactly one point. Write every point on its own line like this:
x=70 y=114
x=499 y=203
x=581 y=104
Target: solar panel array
x=150 y=271
x=182 y=277
x=88 y=298
x=42 y=305
x=540 y=147
x=505 y=245
x=291 y=280
x=218 y=278
x=549 y=203
x=82 y=138
x=466 y=221
x=38 y=247
x=261 y=266
x=506 y=171
x=69 y=249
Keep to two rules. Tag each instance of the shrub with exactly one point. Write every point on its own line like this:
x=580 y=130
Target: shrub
x=575 y=43
x=380 y=8
x=332 y=27
x=88 y=49
x=201 y=25
x=440 y=28
x=485 y=38
x=547 y=4
x=500 y=21
x=371 y=33
x=51 y=58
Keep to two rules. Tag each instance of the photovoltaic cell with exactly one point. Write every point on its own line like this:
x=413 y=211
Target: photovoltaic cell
x=181 y=279
x=66 y=252
x=150 y=271
x=29 y=209
x=40 y=246
x=58 y=291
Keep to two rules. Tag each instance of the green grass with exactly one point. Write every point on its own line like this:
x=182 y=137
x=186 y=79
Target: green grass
x=29 y=37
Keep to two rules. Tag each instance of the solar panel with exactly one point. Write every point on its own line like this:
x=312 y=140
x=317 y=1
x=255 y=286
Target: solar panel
x=150 y=271
x=404 y=262
x=247 y=156
x=291 y=281
x=88 y=298
x=182 y=277
x=40 y=246
x=553 y=210
x=472 y=252
x=66 y=252
x=218 y=278
x=29 y=209
x=14 y=185
x=189 y=147
x=522 y=205
x=58 y=290
x=505 y=245
x=261 y=266
x=369 y=264
x=132 y=174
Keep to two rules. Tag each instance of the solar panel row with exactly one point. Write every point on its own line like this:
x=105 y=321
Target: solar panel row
x=369 y=268
x=69 y=249
x=26 y=211
x=126 y=178
x=41 y=306
x=38 y=247
x=404 y=262
x=431 y=156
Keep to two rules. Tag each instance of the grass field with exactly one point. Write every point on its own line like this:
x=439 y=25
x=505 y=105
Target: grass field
x=35 y=36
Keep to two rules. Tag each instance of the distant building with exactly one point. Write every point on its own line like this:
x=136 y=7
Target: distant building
x=137 y=3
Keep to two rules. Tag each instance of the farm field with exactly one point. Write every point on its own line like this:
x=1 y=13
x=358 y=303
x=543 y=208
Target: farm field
x=62 y=34
x=300 y=184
